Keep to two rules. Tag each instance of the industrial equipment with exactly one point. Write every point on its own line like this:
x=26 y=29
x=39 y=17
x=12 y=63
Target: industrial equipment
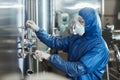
x=112 y=38
x=18 y=43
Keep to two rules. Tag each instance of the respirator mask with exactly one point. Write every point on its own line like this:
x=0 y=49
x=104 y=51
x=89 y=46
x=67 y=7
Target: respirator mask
x=78 y=28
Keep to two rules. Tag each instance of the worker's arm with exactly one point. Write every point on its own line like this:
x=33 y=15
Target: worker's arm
x=71 y=68
x=53 y=42
x=87 y=64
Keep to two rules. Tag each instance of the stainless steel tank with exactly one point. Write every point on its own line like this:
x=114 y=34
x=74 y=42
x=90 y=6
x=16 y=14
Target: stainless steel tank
x=9 y=23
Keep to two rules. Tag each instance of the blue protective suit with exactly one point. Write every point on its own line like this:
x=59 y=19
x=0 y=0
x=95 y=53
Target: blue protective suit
x=87 y=54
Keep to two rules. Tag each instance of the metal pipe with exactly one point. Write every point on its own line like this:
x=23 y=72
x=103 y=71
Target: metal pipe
x=108 y=78
x=23 y=52
x=102 y=11
x=44 y=14
x=52 y=16
x=36 y=11
x=29 y=36
x=37 y=63
x=30 y=70
x=31 y=10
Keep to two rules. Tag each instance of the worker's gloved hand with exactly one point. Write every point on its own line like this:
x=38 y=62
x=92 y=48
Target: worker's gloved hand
x=40 y=55
x=32 y=25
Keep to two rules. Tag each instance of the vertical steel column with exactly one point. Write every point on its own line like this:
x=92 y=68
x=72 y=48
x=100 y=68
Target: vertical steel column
x=44 y=14
x=37 y=63
x=52 y=16
x=30 y=8
x=107 y=72
x=102 y=12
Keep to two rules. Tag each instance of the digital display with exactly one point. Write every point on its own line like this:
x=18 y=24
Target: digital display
x=65 y=19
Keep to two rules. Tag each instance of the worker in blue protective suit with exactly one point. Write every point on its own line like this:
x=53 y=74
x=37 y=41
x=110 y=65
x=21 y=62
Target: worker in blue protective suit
x=87 y=50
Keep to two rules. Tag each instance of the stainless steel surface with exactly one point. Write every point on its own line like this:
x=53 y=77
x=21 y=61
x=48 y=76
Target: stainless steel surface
x=72 y=6
x=9 y=1
x=107 y=72
x=52 y=17
x=102 y=11
x=43 y=14
x=9 y=21
x=116 y=35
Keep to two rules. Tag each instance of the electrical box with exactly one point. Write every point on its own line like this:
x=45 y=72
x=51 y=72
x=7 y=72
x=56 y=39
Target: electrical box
x=63 y=20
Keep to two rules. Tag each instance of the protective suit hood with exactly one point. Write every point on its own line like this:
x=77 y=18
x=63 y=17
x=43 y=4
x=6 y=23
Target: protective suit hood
x=92 y=22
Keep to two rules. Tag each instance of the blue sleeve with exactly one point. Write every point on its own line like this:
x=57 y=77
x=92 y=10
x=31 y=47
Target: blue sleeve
x=87 y=64
x=71 y=68
x=53 y=42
